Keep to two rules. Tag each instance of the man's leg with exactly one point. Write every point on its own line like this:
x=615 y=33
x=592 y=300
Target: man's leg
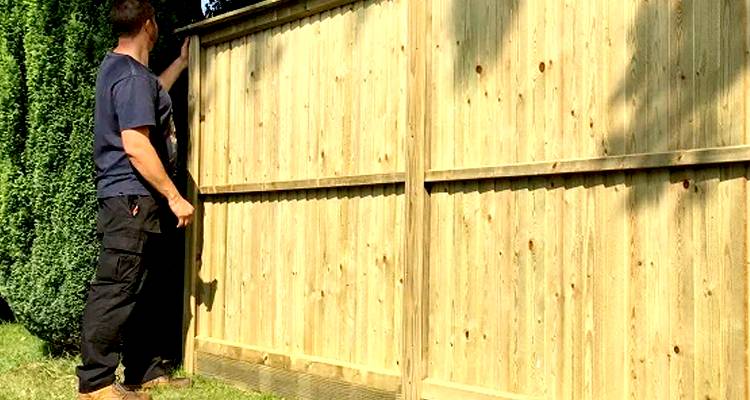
x=111 y=301
x=143 y=337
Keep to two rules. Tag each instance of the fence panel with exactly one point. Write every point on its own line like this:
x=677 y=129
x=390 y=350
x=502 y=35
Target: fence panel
x=478 y=200
x=604 y=287
x=319 y=97
x=527 y=81
x=309 y=277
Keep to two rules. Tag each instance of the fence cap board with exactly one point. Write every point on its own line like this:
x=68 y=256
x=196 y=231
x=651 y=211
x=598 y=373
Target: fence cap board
x=223 y=20
x=260 y=16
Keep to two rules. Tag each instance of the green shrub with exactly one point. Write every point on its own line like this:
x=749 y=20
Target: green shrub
x=46 y=289
x=15 y=223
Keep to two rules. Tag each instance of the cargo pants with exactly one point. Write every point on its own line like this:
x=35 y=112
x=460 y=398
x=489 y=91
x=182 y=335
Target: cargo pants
x=121 y=317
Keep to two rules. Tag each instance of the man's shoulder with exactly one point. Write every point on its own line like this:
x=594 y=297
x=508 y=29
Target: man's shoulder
x=118 y=68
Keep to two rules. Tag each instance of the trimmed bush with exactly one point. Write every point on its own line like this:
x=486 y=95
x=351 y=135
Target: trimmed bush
x=62 y=41
x=15 y=223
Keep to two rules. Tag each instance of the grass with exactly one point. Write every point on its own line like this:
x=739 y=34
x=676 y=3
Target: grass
x=28 y=373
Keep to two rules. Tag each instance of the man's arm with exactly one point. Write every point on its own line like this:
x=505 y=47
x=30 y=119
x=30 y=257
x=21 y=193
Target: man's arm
x=144 y=158
x=170 y=75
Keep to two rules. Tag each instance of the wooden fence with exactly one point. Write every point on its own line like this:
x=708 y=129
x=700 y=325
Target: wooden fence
x=472 y=199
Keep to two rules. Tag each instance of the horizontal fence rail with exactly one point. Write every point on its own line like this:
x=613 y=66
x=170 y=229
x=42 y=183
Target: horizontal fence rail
x=306 y=184
x=631 y=162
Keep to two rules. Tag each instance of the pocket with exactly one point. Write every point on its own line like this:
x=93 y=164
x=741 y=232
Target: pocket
x=120 y=260
x=148 y=217
x=126 y=241
x=119 y=267
x=129 y=272
x=126 y=214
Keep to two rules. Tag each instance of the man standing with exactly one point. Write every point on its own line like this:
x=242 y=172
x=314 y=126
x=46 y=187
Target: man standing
x=135 y=150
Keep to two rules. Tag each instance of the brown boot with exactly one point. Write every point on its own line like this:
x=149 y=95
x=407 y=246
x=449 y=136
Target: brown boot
x=114 y=392
x=163 y=382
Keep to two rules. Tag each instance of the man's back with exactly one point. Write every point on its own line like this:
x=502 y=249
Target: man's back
x=126 y=93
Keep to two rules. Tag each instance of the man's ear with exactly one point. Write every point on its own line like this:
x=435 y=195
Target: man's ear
x=151 y=30
x=148 y=27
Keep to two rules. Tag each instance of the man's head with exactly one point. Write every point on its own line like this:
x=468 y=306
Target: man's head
x=135 y=19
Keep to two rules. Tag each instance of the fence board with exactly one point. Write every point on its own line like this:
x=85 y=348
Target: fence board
x=193 y=234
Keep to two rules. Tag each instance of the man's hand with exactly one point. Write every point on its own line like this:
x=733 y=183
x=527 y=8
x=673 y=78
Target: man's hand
x=185 y=52
x=183 y=210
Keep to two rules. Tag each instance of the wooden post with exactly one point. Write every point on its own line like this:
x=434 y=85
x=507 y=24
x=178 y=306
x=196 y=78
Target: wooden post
x=415 y=273
x=192 y=236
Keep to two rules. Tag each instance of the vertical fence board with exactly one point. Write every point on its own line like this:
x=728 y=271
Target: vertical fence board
x=193 y=234
x=416 y=207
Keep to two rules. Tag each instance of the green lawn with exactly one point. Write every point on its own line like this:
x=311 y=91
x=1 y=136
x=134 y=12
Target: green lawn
x=27 y=373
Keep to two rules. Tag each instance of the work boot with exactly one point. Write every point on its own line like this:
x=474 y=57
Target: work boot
x=163 y=381
x=114 y=392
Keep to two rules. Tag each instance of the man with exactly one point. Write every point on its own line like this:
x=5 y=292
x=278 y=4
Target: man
x=134 y=151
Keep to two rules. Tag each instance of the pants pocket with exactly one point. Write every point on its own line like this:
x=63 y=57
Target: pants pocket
x=127 y=241
x=121 y=261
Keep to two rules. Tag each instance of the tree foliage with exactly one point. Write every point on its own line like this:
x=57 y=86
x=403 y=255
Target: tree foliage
x=217 y=7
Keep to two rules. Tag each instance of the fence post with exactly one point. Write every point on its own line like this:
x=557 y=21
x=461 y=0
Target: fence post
x=193 y=233
x=417 y=205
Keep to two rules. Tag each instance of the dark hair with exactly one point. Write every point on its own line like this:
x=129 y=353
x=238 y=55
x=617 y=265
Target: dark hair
x=128 y=16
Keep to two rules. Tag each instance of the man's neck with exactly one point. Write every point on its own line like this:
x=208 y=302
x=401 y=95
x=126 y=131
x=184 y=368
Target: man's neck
x=133 y=48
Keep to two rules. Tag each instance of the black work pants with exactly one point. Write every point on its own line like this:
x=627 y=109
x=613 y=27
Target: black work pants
x=121 y=318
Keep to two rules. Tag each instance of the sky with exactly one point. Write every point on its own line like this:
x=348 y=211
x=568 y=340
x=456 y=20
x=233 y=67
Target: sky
x=204 y=3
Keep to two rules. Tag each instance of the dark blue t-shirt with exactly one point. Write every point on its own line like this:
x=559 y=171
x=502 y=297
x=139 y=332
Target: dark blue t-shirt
x=128 y=96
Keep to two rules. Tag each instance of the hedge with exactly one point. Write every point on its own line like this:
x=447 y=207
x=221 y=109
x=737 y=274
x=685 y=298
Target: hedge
x=15 y=221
